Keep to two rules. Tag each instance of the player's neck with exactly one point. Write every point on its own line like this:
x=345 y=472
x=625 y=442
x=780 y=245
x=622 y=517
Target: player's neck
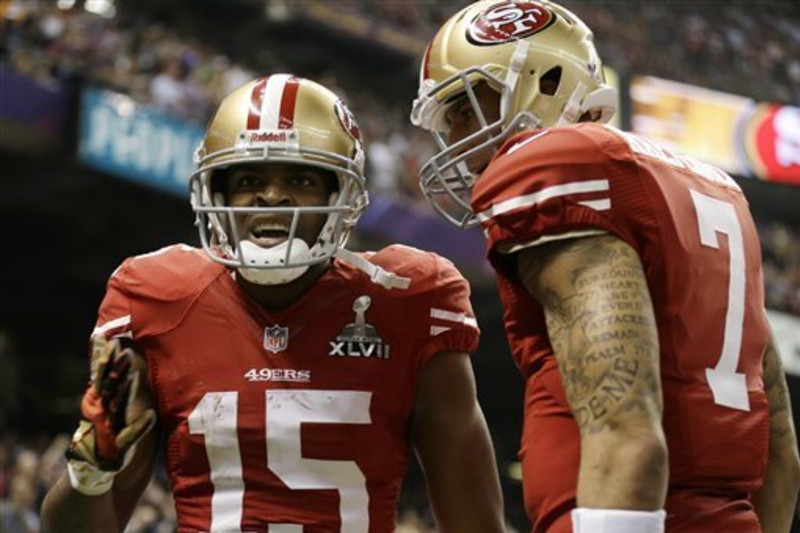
x=279 y=297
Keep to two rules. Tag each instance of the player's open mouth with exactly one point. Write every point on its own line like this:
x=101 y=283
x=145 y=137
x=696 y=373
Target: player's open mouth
x=268 y=234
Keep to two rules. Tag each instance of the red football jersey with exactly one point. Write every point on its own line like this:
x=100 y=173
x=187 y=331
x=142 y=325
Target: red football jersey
x=692 y=229
x=297 y=419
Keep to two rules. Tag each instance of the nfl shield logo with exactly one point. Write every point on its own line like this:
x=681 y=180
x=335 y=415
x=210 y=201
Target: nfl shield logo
x=276 y=338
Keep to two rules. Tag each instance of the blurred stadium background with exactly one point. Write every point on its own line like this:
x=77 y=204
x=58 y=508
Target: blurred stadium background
x=103 y=101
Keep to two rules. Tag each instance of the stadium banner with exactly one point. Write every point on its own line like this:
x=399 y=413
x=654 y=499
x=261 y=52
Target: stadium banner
x=786 y=329
x=127 y=139
x=33 y=114
x=738 y=134
x=770 y=142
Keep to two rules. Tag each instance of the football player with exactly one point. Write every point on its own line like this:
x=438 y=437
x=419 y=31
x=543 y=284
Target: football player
x=287 y=376
x=632 y=285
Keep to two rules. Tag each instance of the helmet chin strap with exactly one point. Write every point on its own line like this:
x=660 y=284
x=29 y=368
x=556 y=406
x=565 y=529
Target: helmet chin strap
x=378 y=275
x=256 y=255
x=574 y=106
x=516 y=65
x=269 y=263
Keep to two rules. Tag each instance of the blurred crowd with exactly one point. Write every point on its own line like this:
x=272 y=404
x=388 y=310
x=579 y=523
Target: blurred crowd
x=690 y=42
x=148 y=61
x=29 y=468
x=187 y=77
x=26 y=472
x=184 y=77
x=751 y=49
x=780 y=246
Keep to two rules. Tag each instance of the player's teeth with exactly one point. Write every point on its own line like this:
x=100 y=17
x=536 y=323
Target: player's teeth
x=270 y=227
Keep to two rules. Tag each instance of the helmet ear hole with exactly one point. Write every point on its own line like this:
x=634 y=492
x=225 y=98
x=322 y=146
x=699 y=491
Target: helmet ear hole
x=332 y=182
x=550 y=80
x=219 y=181
x=593 y=115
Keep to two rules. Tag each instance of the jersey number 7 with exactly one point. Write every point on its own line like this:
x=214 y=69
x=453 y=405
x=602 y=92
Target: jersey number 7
x=715 y=216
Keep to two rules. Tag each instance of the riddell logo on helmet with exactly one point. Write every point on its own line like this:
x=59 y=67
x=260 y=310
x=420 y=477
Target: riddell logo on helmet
x=268 y=136
x=277 y=138
x=509 y=21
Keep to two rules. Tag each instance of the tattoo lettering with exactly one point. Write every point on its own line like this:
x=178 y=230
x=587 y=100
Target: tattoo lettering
x=621 y=378
x=607 y=353
x=601 y=327
x=615 y=384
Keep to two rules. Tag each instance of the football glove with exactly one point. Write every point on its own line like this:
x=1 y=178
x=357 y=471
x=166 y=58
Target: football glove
x=107 y=435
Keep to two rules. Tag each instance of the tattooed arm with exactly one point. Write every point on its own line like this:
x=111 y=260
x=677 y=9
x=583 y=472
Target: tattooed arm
x=775 y=501
x=601 y=325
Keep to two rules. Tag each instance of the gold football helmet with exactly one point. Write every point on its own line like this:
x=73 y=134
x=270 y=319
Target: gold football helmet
x=541 y=60
x=278 y=119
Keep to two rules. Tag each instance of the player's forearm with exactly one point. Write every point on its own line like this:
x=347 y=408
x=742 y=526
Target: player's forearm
x=455 y=449
x=65 y=509
x=775 y=501
x=463 y=484
x=623 y=470
x=602 y=328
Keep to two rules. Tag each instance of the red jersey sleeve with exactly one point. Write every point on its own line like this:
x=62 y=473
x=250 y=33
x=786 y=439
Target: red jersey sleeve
x=453 y=326
x=557 y=182
x=114 y=315
x=435 y=308
x=149 y=294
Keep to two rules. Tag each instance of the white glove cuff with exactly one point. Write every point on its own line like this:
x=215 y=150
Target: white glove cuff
x=585 y=520
x=88 y=479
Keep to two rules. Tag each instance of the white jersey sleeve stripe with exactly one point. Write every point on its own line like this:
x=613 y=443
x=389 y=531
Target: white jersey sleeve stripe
x=461 y=318
x=520 y=144
x=598 y=205
x=435 y=330
x=554 y=191
x=102 y=329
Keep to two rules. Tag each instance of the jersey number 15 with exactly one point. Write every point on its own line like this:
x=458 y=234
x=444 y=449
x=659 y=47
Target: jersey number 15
x=215 y=418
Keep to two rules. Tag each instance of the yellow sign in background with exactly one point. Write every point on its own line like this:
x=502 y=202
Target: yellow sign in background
x=689 y=119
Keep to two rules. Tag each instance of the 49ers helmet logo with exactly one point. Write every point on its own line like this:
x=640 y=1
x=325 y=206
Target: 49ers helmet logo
x=347 y=120
x=509 y=21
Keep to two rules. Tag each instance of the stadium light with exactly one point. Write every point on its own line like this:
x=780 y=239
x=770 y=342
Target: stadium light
x=277 y=10
x=104 y=8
